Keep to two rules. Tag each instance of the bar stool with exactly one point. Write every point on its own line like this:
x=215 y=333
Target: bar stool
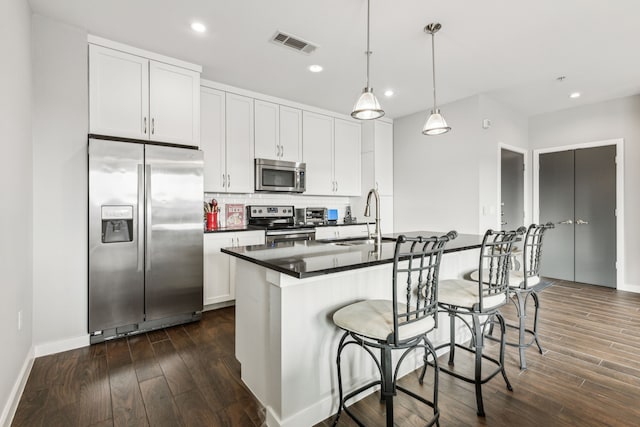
x=523 y=284
x=401 y=323
x=481 y=300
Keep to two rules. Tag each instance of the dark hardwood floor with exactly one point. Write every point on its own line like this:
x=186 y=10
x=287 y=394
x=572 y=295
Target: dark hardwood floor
x=589 y=375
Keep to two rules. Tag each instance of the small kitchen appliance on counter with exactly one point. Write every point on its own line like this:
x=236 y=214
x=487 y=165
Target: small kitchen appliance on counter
x=279 y=224
x=316 y=216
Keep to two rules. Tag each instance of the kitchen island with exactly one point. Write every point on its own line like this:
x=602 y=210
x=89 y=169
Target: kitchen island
x=286 y=295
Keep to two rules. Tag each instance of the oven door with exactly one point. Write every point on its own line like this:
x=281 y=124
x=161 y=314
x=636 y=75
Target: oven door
x=280 y=176
x=279 y=236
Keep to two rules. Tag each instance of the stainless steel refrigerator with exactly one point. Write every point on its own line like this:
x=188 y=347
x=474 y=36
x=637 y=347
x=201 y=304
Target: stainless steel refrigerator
x=145 y=237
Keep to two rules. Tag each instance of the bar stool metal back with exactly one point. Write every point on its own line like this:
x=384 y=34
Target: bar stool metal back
x=480 y=299
x=401 y=323
x=525 y=283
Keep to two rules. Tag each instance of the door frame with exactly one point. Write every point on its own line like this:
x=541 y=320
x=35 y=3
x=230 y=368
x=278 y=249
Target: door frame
x=526 y=182
x=619 y=143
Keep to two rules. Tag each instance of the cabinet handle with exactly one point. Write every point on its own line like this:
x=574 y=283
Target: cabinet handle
x=336 y=186
x=228 y=180
x=153 y=126
x=145 y=125
x=281 y=151
x=377 y=186
x=224 y=180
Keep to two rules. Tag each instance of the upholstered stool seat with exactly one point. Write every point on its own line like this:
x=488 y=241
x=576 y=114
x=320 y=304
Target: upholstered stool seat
x=399 y=323
x=374 y=319
x=464 y=293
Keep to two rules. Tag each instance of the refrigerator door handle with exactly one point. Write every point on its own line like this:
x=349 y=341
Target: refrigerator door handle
x=140 y=221
x=147 y=223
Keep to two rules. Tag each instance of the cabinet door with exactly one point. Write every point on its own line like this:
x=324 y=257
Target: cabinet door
x=174 y=104
x=326 y=233
x=212 y=138
x=247 y=238
x=118 y=93
x=347 y=158
x=383 y=158
x=267 y=130
x=290 y=134
x=359 y=230
x=317 y=150
x=239 y=144
x=217 y=278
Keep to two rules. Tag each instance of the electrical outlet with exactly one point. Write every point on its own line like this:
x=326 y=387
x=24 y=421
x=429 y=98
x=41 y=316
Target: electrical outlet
x=20 y=320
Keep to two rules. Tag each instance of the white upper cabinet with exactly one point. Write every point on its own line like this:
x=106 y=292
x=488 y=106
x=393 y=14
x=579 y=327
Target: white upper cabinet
x=346 y=164
x=377 y=157
x=213 y=138
x=133 y=96
x=239 y=144
x=267 y=130
x=290 y=134
x=174 y=104
x=317 y=143
x=118 y=93
x=331 y=150
x=278 y=131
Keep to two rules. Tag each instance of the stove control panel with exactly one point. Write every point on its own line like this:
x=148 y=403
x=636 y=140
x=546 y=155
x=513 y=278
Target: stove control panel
x=270 y=211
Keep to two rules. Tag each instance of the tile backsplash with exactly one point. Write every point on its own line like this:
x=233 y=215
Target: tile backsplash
x=298 y=201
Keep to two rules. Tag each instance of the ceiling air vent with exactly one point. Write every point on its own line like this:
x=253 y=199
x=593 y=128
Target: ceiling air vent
x=293 y=42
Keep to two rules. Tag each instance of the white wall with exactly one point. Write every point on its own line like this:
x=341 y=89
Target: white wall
x=450 y=181
x=16 y=283
x=59 y=185
x=619 y=118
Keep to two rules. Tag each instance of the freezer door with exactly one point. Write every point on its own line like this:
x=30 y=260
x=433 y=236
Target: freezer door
x=174 y=233
x=116 y=257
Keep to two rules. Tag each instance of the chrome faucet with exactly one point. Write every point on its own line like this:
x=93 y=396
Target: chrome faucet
x=367 y=212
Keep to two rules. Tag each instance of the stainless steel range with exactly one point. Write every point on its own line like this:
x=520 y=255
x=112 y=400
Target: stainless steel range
x=279 y=223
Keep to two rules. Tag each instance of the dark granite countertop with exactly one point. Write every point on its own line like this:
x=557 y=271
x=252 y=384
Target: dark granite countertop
x=254 y=228
x=304 y=259
x=228 y=229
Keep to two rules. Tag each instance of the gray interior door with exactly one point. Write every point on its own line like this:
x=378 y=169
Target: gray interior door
x=595 y=220
x=577 y=192
x=556 y=193
x=511 y=189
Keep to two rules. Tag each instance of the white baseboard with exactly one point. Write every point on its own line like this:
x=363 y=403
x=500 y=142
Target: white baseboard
x=628 y=287
x=9 y=410
x=52 y=347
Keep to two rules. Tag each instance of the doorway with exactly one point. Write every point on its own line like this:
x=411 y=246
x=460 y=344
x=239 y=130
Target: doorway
x=578 y=188
x=512 y=169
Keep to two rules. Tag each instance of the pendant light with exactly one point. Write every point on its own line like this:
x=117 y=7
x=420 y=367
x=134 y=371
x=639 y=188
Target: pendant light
x=367 y=106
x=436 y=124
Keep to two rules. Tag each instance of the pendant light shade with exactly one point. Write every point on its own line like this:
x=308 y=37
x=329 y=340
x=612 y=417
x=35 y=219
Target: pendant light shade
x=436 y=124
x=367 y=106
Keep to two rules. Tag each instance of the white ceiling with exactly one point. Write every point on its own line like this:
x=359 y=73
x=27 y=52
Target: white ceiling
x=513 y=50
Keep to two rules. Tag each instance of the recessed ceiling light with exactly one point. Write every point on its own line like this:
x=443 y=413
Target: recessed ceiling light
x=388 y=93
x=574 y=95
x=198 y=27
x=315 y=68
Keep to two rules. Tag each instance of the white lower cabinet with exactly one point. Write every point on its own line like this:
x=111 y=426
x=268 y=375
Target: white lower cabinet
x=342 y=232
x=219 y=280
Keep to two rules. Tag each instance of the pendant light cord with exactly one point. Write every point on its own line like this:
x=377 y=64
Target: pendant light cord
x=433 y=65
x=368 y=50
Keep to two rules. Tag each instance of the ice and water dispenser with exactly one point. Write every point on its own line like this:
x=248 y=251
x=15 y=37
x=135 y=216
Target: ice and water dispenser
x=117 y=223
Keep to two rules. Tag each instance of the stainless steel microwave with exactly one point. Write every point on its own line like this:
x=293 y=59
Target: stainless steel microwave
x=280 y=176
